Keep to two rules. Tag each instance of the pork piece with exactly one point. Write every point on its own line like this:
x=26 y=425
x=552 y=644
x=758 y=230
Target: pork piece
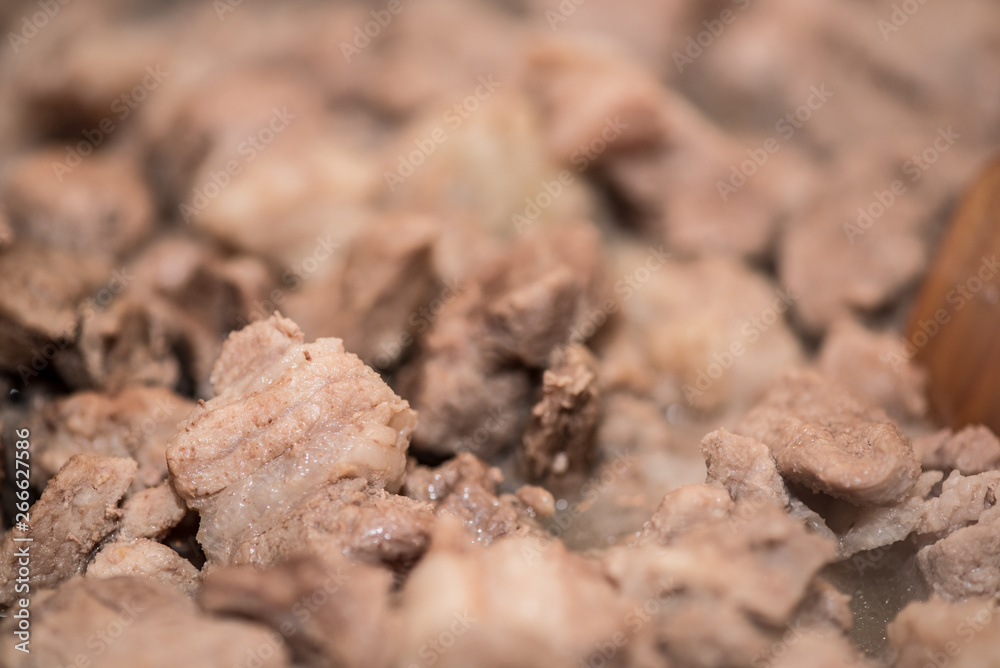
x=472 y=380
x=38 y=316
x=683 y=509
x=825 y=439
x=466 y=488
x=372 y=300
x=723 y=591
x=874 y=368
x=816 y=650
x=937 y=632
x=147 y=558
x=972 y=450
x=516 y=602
x=559 y=443
x=135 y=423
x=963 y=499
x=330 y=612
x=967 y=562
x=132 y=621
x=151 y=513
x=77 y=510
x=743 y=466
x=353 y=517
x=100 y=206
x=288 y=420
x=182 y=299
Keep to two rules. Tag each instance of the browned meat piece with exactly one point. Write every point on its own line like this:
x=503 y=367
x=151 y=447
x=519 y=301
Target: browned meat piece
x=289 y=419
x=151 y=513
x=330 y=612
x=466 y=488
x=363 y=522
x=966 y=563
x=135 y=621
x=38 y=309
x=135 y=423
x=99 y=206
x=745 y=467
x=972 y=450
x=825 y=439
x=683 y=509
x=517 y=602
x=874 y=367
x=148 y=558
x=560 y=441
x=939 y=633
x=77 y=510
x=373 y=300
x=471 y=382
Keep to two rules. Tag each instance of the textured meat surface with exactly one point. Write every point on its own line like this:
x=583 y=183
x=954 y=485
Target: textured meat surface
x=466 y=488
x=972 y=450
x=967 y=562
x=77 y=510
x=289 y=418
x=151 y=513
x=130 y=621
x=683 y=509
x=825 y=439
x=743 y=466
x=147 y=558
x=135 y=423
x=561 y=439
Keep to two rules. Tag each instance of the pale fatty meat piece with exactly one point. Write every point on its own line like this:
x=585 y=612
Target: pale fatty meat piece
x=683 y=509
x=827 y=440
x=151 y=513
x=77 y=510
x=745 y=467
x=289 y=420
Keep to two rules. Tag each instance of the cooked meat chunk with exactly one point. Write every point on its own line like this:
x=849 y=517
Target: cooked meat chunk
x=743 y=466
x=816 y=650
x=966 y=563
x=101 y=206
x=472 y=381
x=561 y=438
x=516 y=602
x=136 y=621
x=466 y=488
x=938 y=633
x=972 y=450
x=38 y=309
x=877 y=526
x=352 y=517
x=963 y=499
x=151 y=513
x=372 y=300
x=135 y=423
x=825 y=439
x=874 y=368
x=148 y=558
x=330 y=612
x=289 y=419
x=77 y=510
x=683 y=509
